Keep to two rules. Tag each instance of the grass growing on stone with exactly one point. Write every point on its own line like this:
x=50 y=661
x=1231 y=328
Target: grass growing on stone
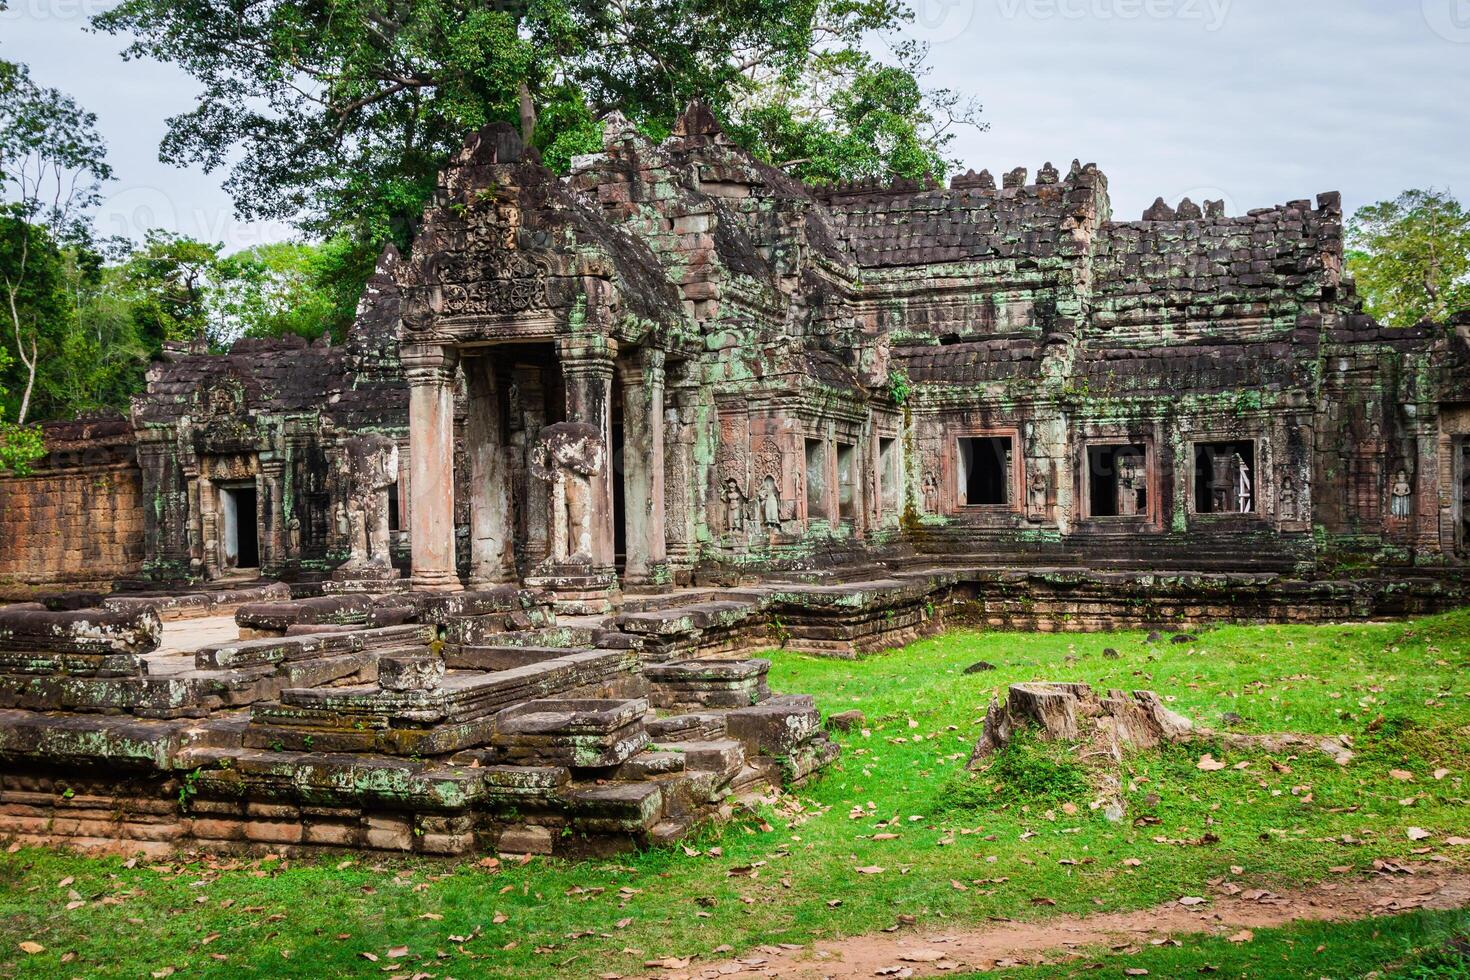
x=966 y=847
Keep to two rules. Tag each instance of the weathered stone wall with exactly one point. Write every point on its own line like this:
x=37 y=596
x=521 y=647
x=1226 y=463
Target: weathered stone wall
x=77 y=520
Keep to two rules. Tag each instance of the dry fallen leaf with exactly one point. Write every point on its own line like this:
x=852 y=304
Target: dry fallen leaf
x=921 y=956
x=1418 y=833
x=32 y=948
x=1208 y=763
x=669 y=963
x=871 y=869
x=1243 y=936
x=1402 y=775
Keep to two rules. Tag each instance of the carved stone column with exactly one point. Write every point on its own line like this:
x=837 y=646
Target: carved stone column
x=429 y=369
x=643 y=464
x=534 y=506
x=680 y=435
x=492 y=553
x=587 y=366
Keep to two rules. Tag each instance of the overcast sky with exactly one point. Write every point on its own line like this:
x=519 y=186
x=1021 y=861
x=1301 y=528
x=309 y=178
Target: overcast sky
x=1255 y=101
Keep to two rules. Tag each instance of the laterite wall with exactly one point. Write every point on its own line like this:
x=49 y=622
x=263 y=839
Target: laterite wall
x=77 y=520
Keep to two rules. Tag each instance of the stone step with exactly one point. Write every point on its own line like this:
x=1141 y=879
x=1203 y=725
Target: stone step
x=688 y=619
x=649 y=763
x=577 y=732
x=616 y=807
x=672 y=829
x=708 y=683
x=695 y=726
x=724 y=757
x=499 y=657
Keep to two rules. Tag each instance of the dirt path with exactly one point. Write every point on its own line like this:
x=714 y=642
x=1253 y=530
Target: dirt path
x=1228 y=909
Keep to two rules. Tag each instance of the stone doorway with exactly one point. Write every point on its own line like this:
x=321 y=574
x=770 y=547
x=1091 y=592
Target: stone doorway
x=239 y=533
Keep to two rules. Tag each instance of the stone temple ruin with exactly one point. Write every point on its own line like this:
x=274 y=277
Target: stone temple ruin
x=487 y=575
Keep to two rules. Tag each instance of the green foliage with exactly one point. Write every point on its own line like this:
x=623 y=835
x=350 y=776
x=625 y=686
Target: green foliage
x=340 y=115
x=52 y=164
x=272 y=291
x=20 y=445
x=878 y=122
x=1411 y=257
x=1027 y=771
x=899 y=385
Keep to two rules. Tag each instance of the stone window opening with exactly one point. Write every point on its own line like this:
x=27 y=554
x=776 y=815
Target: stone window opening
x=985 y=471
x=846 y=481
x=1225 y=480
x=887 y=477
x=816 y=480
x=1118 y=481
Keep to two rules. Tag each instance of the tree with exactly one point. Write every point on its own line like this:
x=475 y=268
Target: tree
x=1411 y=257
x=274 y=290
x=20 y=445
x=340 y=113
x=876 y=121
x=170 y=282
x=52 y=164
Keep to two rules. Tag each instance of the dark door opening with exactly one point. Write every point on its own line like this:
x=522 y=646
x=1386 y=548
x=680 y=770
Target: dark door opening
x=985 y=471
x=1464 y=501
x=242 y=541
x=1117 y=481
x=1224 y=477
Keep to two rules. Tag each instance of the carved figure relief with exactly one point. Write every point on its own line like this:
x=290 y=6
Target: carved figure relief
x=1037 y=490
x=734 y=507
x=929 y=483
x=1400 y=504
x=568 y=455
x=293 y=537
x=1286 y=498
x=369 y=466
x=770 y=504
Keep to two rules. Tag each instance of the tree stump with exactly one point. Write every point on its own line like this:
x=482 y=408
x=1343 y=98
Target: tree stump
x=1066 y=712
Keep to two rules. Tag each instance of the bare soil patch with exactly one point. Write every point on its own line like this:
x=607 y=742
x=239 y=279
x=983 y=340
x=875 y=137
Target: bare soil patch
x=1228 y=910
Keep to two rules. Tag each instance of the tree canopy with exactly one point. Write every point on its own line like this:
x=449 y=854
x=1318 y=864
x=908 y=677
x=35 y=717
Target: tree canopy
x=339 y=113
x=1411 y=257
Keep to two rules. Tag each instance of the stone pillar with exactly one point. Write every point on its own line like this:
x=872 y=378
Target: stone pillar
x=643 y=464
x=680 y=435
x=587 y=367
x=272 y=530
x=492 y=553
x=531 y=386
x=429 y=369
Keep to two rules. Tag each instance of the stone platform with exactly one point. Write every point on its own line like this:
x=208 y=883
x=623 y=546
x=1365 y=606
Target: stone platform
x=444 y=724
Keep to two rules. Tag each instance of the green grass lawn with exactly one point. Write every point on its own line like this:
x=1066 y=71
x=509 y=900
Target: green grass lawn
x=789 y=874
